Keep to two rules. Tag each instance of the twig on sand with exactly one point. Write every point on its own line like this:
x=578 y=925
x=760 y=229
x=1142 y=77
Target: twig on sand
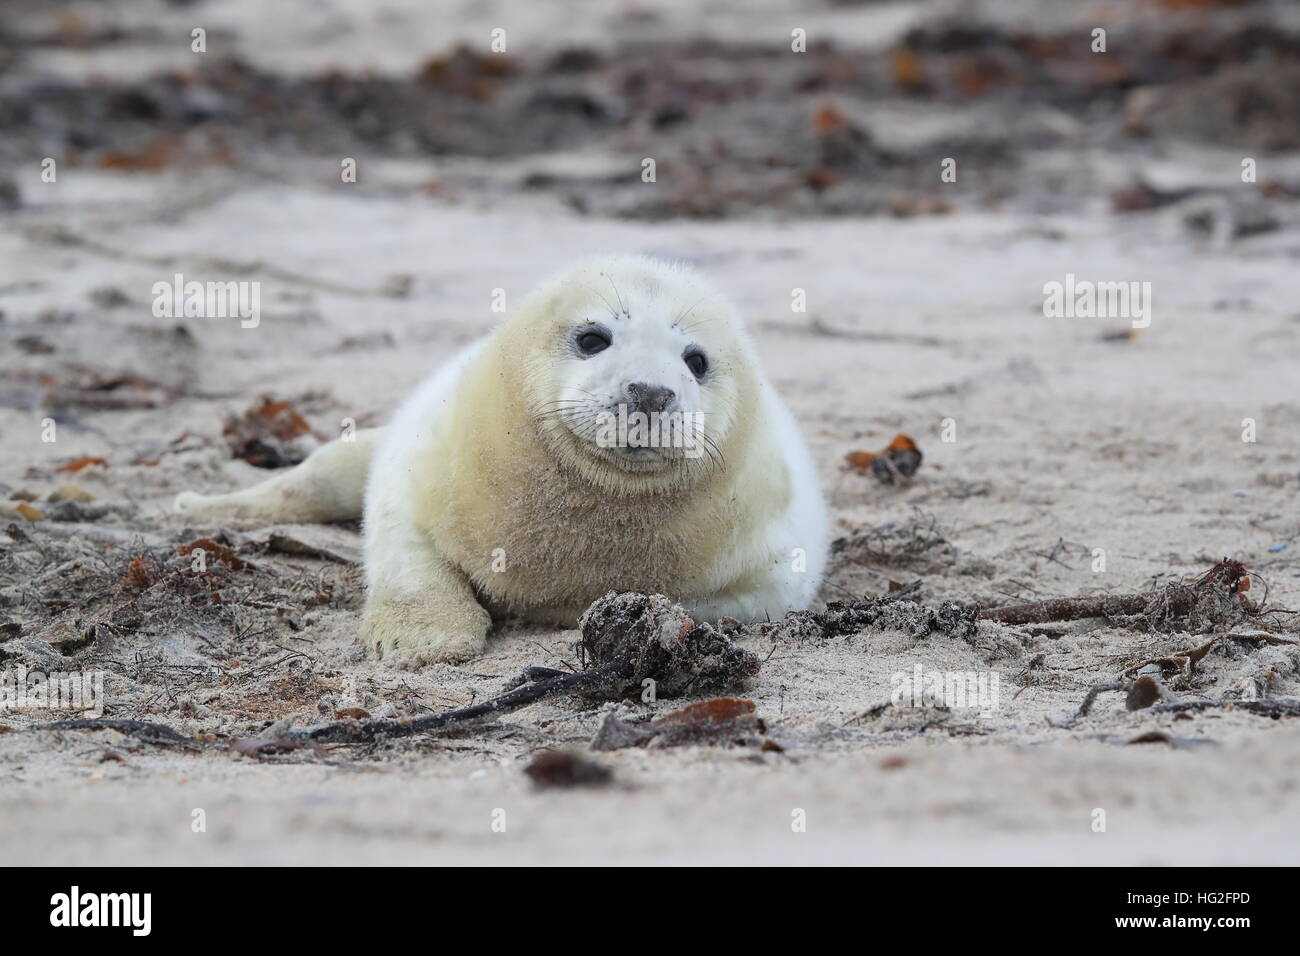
x=629 y=638
x=1224 y=581
x=1096 y=691
x=593 y=680
x=1274 y=707
x=144 y=730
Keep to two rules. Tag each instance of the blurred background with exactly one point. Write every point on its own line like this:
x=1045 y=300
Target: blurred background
x=739 y=125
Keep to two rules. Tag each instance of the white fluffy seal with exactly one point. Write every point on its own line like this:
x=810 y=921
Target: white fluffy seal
x=505 y=486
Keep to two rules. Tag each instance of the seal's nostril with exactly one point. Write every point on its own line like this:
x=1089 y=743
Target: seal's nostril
x=649 y=398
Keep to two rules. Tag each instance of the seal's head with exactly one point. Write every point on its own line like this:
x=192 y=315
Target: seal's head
x=638 y=374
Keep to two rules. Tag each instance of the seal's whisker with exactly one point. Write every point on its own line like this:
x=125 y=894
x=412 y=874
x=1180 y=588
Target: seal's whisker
x=714 y=452
x=691 y=327
x=687 y=311
x=612 y=311
x=621 y=303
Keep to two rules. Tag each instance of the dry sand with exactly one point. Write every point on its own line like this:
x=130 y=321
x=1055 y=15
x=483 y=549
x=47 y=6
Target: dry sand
x=1064 y=443
x=1132 y=447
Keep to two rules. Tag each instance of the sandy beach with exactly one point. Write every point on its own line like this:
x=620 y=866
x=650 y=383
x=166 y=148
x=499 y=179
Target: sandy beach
x=1047 y=442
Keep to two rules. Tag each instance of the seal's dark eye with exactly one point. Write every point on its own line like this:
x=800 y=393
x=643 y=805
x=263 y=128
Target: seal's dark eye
x=592 y=341
x=697 y=363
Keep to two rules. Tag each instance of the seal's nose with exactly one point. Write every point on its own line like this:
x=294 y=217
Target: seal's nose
x=649 y=398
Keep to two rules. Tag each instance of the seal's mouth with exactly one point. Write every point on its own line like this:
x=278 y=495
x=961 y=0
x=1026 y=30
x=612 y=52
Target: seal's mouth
x=635 y=441
x=634 y=459
x=644 y=459
x=642 y=454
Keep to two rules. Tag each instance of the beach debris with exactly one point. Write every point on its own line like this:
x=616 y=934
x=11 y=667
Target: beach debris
x=648 y=636
x=893 y=612
x=615 y=733
x=628 y=640
x=109 y=297
x=1215 y=598
x=143 y=730
x=1274 y=707
x=1143 y=683
x=77 y=464
x=326 y=542
x=75 y=520
x=1179 y=663
x=34 y=345
x=919 y=717
x=1094 y=692
x=182 y=442
x=899 y=460
x=214 y=550
x=142 y=572
x=918 y=544
x=533 y=673
x=841 y=143
x=67 y=492
x=563 y=768
x=71 y=510
x=722 y=721
x=266 y=434
x=1141 y=196
x=1144 y=692
x=261 y=747
x=106 y=391
x=910 y=205
x=1178 y=743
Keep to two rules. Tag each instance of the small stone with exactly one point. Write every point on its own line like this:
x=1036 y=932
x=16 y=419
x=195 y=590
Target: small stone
x=66 y=492
x=558 y=768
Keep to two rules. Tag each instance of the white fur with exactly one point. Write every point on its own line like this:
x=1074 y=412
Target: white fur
x=481 y=461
